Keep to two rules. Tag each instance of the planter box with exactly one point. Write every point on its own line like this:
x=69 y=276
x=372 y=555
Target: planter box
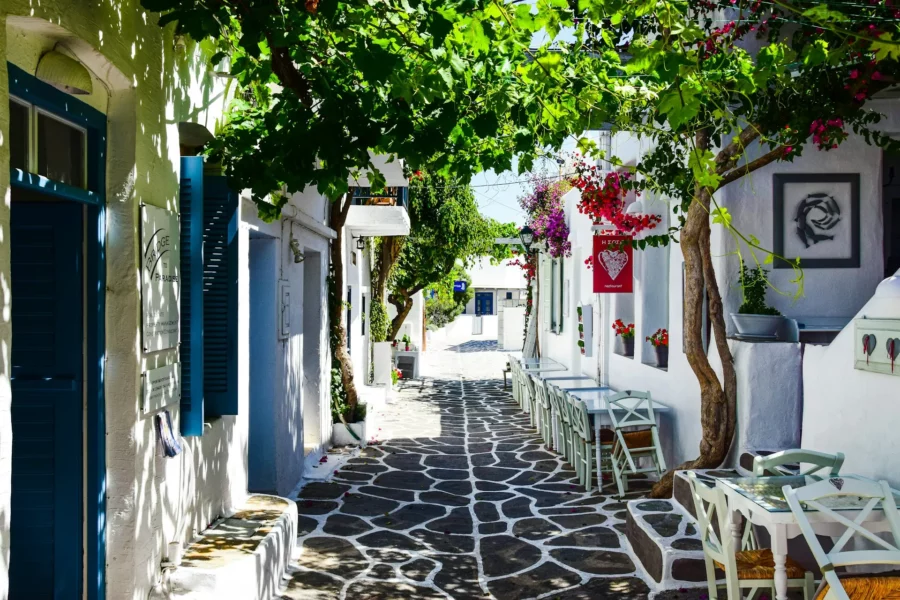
x=382 y=361
x=341 y=437
x=764 y=326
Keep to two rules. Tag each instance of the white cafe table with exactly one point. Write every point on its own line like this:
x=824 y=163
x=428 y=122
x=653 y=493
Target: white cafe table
x=552 y=377
x=543 y=365
x=575 y=383
x=598 y=408
x=761 y=501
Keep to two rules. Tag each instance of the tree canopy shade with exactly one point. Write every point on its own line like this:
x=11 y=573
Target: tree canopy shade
x=445 y=229
x=445 y=84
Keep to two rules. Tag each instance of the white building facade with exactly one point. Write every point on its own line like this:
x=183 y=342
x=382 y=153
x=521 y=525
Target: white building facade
x=791 y=393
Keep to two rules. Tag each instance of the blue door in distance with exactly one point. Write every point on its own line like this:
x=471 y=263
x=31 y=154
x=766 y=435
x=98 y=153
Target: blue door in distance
x=484 y=303
x=47 y=384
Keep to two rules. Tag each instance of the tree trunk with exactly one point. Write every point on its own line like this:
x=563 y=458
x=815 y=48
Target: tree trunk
x=403 y=302
x=717 y=402
x=388 y=252
x=339 y=210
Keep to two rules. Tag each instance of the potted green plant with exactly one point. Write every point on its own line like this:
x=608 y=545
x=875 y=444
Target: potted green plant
x=660 y=342
x=625 y=337
x=755 y=318
x=406 y=342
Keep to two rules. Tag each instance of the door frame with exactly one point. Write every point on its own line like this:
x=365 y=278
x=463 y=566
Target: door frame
x=49 y=99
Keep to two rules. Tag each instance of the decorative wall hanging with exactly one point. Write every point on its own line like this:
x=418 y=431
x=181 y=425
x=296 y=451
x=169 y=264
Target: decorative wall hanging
x=816 y=220
x=613 y=265
x=877 y=346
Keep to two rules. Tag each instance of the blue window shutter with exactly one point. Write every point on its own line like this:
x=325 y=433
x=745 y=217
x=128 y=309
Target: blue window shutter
x=220 y=310
x=191 y=295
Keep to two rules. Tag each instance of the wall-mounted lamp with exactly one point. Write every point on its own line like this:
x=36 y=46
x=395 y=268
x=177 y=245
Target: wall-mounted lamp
x=295 y=248
x=527 y=237
x=64 y=73
x=360 y=243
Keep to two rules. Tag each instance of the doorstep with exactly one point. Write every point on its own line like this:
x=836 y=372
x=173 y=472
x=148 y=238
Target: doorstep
x=241 y=556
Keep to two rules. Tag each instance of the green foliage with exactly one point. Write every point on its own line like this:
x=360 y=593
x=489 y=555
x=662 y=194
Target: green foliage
x=340 y=408
x=406 y=339
x=449 y=85
x=446 y=231
x=754 y=284
x=442 y=304
x=378 y=321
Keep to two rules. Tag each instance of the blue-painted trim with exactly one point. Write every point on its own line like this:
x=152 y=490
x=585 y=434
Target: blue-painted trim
x=192 y=296
x=32 y=90
x=39 y=183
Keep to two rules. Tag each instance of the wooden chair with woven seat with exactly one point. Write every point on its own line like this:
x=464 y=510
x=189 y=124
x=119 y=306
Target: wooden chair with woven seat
x=569 y=437
x=514 y=378
x=808 y=463
x=870 y=496
x=749 y=568
x=634 y=423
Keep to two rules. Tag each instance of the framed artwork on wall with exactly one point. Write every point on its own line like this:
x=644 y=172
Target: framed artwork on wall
x=816 y=220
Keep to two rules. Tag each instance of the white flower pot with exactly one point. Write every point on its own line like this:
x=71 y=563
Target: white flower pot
x=765 y=326
x=341 y=437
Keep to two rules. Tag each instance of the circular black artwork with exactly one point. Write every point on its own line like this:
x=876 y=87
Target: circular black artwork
x=816 y=215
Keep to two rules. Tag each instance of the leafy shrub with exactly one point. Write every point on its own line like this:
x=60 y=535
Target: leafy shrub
x=754 y=284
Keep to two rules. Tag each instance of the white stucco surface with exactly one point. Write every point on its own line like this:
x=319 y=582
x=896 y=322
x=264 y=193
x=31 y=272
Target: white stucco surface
x=852 y=411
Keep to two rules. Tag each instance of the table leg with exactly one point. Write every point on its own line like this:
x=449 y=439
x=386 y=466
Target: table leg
x=737 y=532
x=779 y=553
x=599 y=453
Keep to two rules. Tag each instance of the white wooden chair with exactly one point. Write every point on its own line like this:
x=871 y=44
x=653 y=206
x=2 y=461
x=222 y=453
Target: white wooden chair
x=636 y=436
x=874 y=496
x=749 y=568
x=527 y=394
x=807 y=461
x=514 y=378
x=543 y=409
x=560 y=440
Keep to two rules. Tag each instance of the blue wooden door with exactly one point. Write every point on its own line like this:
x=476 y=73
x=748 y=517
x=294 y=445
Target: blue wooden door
x=47 y=384
x=484 y=303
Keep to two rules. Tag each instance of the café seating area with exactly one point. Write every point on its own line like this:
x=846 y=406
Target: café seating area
x=795 y=525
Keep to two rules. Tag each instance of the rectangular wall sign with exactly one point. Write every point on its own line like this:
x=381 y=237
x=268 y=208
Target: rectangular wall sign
x=613 y=266
x=161 y=387
x=160 y=278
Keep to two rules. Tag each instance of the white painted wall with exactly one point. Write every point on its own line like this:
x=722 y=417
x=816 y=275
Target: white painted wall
x=852 y=411
x=294 y=375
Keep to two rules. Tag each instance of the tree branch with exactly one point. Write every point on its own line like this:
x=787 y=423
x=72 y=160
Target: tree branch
x=728 y=154
x=751 y=166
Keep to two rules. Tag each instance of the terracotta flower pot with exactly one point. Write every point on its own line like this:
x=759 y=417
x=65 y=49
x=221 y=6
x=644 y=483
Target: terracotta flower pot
x=662 y=356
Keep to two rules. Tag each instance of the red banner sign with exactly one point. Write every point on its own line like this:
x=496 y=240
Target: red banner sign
x=613 y=265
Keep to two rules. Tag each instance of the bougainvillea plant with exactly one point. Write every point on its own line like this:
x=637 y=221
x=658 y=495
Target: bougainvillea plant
x=621 y=329
x=660 y=338
x=546 y=215
x=603 y=199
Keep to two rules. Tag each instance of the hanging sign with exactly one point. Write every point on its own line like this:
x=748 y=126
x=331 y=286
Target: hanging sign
x=613 y=266
x=160 y=278
x=459 y=286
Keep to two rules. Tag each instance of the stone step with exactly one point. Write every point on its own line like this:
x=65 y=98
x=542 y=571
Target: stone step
x=244 y=555
x=664 y=538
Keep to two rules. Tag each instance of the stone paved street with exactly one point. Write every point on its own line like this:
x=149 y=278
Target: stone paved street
x=460 y=499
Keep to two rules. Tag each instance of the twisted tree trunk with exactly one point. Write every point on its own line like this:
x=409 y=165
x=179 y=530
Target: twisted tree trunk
x=403 y=302
x=339 y=210
x=718 y=400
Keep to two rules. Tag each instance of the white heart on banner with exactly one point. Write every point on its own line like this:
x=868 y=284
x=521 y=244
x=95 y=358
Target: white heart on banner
x=613 y=261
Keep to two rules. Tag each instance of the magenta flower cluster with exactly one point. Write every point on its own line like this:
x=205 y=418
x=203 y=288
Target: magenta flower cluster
x=546 y=216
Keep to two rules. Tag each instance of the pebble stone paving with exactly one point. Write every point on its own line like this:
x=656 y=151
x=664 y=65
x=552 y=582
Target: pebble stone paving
x=482 y=510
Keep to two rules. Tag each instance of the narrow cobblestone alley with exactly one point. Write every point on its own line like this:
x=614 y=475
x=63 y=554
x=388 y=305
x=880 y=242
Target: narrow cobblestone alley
x=460 y=499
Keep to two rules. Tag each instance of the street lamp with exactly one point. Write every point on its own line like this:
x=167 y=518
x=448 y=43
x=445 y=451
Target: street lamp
x=527 y=237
